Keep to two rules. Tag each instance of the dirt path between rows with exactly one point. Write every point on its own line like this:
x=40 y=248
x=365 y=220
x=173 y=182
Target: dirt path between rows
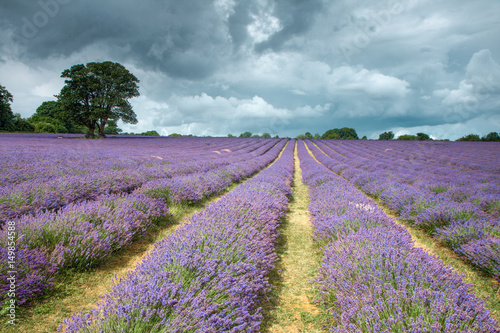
x=293 y=308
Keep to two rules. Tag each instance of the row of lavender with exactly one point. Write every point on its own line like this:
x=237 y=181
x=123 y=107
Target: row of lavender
x=373 y=278
x=83 y=234
x=464 y=156
x=122 y=166
x=209 y=276
x=28 y=157
x=429 y=165
x=469 y=228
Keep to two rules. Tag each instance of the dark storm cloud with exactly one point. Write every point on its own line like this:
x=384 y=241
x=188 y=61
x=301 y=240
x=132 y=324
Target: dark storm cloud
x=238 y=23
x=182 y=38
x=279 y=66
x=296 y=16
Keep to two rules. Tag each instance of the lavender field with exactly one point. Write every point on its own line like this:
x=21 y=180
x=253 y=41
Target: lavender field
x=70 y=204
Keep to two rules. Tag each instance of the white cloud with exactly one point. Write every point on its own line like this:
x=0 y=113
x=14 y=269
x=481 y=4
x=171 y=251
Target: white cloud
x=482 y=80
x=361 y=80
x=479 y=90
x=263 y=26
x=206 y=115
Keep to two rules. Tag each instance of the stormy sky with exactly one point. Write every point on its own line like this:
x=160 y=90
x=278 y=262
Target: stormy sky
x=213 y=67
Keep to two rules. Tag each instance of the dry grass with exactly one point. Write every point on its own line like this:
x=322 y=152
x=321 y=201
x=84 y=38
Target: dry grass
x=292 y=308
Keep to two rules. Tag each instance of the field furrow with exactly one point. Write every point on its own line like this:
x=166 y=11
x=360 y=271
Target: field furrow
x=292 y=307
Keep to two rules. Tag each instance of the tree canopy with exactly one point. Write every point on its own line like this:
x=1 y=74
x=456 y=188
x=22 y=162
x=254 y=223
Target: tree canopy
x=423 y=137
x=6 y=115
x=246 y=135
x=154 y=133
x=470 y=137
x=407 y=137
x=386 y=136
x=50 y=117
x=419 y=137
x=341 y=133
x=492 y=136
x=97 y=92
x=112 y=127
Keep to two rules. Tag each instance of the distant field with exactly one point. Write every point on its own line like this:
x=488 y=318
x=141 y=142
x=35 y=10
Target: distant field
x=70 y=205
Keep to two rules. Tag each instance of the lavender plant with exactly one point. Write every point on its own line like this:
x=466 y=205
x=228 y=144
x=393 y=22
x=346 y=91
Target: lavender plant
x=433 y=199
x=209 y=276
x=372 y=278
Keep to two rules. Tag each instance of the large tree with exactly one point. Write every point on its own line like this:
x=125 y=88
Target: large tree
x=246 y=135
x=492 y=136
x=97 y=92
x=6 y=115
x=341 y=133
x=423 y=137
x=386 y=136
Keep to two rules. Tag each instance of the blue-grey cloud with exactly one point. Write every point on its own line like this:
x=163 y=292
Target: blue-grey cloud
x=284 y=67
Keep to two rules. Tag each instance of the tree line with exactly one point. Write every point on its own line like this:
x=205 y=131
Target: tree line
x=347 y=133
x=492 y=136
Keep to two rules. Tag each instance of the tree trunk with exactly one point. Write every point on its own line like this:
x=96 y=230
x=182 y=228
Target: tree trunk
x=102 y=125
x=91 y=127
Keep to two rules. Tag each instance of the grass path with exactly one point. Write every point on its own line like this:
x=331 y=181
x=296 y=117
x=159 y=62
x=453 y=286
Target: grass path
x=291 y=308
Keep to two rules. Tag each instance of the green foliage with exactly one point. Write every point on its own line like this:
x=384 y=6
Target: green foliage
x=344 y=133
x=423 y=137
x=439 y=189
x=175 y=134
x=230 y=135
x=246 y=135
x=22 y=125
x=6 y=115
x=266 y=136
x=150 y=133
x=97 y=92
x=306 y=135
x=255 y=136
x=42 y=127
x=331 y=134
x=386 y=136
x=407 y=137
x=470 y=137
x=364 y=137
x=492 y=136
x=112 y=128
x=52 y=112
x=51 y=109
x=49 y=118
